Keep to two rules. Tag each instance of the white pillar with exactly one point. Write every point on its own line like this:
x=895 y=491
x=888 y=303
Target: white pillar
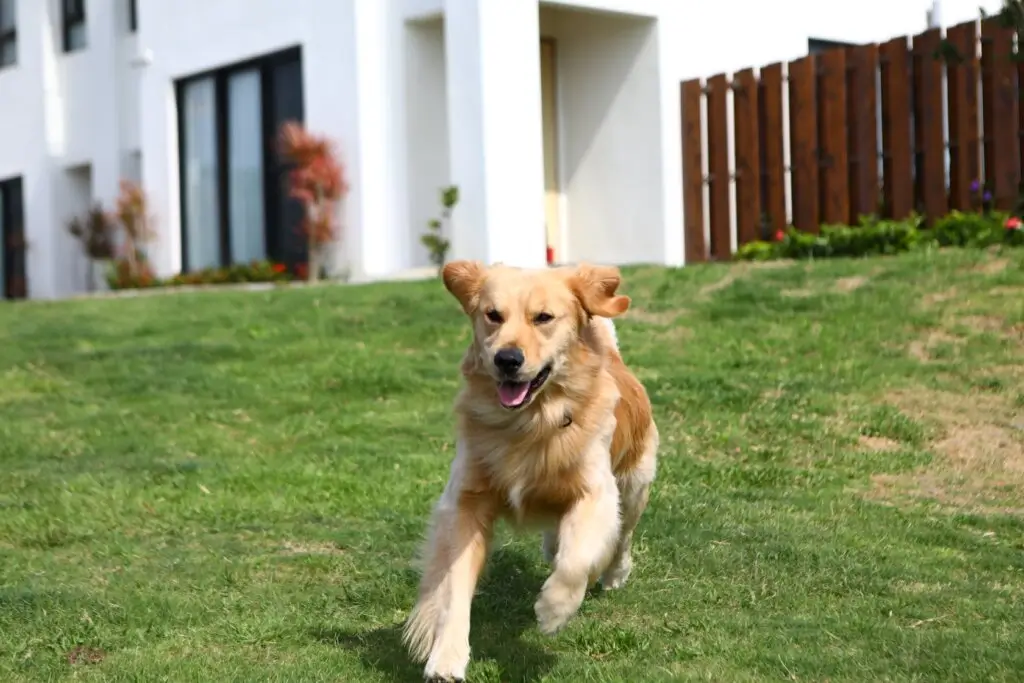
x=381 y=243
x=671 y=136
x=346 y=75
x=37 y=54
x=496 y=138
x=105 y=33
x=158 y=134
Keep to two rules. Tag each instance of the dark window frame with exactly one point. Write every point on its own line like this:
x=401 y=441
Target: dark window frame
x=10 y=35
x=12 y=204
x=133 y=16
x=72 y=15
x=271 y=191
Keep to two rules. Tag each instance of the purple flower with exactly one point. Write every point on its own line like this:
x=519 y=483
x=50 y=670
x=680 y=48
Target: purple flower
x=975 y=186
x=987 y=197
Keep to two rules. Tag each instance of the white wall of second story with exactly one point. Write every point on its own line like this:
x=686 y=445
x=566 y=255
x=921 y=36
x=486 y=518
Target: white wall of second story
x=725 y=36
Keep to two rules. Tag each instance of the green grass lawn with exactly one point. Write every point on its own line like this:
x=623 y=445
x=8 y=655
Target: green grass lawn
x=231 y=486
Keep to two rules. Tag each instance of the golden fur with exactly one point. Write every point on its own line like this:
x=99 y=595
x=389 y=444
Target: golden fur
x=577 y=458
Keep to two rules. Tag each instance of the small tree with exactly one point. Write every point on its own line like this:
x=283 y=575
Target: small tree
x=96 y=233
x=318 y=181
x=136 y=224
x=434 y=240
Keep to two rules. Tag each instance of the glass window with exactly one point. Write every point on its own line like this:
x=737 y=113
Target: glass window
x=202 y=201
x=73 y=17
x=8 y=33
x=245 y=167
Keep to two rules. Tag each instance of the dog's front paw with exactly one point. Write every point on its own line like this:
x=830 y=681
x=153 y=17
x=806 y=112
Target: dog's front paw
x=447 y=664
x=559 y=599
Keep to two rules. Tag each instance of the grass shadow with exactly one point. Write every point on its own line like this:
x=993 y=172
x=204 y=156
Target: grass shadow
x=502 y=613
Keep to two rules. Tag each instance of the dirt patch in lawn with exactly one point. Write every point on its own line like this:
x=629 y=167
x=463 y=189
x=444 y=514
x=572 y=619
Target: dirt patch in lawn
x=983 y=323
x=640 y=315
x=299 y=548
x=939 y=297
x=978 y=452
x=925 y=349
x=850 y=284
x=878 y=444
x=992 y=267
x=719 y=285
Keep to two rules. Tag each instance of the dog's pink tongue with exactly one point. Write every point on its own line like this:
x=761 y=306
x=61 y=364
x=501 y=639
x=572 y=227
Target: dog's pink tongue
x=512 y=394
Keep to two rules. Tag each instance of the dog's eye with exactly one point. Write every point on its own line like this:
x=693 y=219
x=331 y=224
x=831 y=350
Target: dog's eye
x=494 y=316
x=542 y=318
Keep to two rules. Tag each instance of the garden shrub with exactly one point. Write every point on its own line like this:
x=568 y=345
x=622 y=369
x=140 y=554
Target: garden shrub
x=255 y=271
x=876 y=237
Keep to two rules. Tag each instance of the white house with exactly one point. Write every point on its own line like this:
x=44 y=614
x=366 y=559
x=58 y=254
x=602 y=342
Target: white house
x=558 y=120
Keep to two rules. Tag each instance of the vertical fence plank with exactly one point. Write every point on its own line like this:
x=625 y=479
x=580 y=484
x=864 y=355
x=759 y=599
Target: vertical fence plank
x=834 y=181
x=862 y=108
x=930 y=140
x=693 y=172
x=718 y=167
x=773 y=161
x=898 y=188
x=1000 y=107
x=962 y=89
x=748 y=157
x=1020 y=107
x=803 y=127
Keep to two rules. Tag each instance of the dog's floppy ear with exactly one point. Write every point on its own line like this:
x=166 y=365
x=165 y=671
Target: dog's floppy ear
x=595 y=287
x=464 y=279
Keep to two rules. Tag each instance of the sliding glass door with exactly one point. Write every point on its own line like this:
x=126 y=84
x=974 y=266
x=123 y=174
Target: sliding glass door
x=247 y=224
x=202 y=200
x=235 y=201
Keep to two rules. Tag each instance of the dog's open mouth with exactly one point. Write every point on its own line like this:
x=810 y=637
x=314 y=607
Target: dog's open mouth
x=517 y=394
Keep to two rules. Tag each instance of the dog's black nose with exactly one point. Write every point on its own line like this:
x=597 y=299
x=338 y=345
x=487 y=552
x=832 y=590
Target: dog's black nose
x=509 y=360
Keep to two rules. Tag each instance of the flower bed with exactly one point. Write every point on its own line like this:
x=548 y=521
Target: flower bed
x=119 y=276
x=876 y=236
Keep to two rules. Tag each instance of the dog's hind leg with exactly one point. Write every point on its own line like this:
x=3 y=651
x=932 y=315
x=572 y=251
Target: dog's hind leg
x=634 y=491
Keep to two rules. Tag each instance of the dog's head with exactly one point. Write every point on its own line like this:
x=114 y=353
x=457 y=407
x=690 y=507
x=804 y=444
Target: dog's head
x=526 y=322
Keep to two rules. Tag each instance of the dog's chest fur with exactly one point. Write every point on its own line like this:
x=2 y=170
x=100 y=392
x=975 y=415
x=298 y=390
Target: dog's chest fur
x=538 y=465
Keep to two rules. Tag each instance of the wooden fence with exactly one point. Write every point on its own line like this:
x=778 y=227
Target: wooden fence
x=907 y=125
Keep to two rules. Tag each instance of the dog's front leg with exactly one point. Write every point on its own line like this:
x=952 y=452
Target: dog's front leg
x=438 y=628
x=587 y=537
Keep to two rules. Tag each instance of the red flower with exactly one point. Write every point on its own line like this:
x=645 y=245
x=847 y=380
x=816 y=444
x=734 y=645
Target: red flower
x=1013 y=223
x=779 y=235
x=279 y=267
x=301 y=270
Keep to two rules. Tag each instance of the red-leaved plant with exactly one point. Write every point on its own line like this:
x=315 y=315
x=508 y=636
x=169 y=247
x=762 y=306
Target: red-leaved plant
x=132 y=213
x=318 y=181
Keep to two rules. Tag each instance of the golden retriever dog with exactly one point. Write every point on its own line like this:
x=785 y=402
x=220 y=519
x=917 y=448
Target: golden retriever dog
x=553 y=432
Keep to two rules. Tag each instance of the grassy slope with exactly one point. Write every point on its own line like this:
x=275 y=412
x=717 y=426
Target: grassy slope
x=230 y=486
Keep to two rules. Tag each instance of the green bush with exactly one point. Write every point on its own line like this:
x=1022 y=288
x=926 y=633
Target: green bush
x=254 y=271
x=960 y=229
x=875 y=237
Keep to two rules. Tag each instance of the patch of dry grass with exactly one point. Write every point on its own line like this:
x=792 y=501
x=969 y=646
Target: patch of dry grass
x=979 y=453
